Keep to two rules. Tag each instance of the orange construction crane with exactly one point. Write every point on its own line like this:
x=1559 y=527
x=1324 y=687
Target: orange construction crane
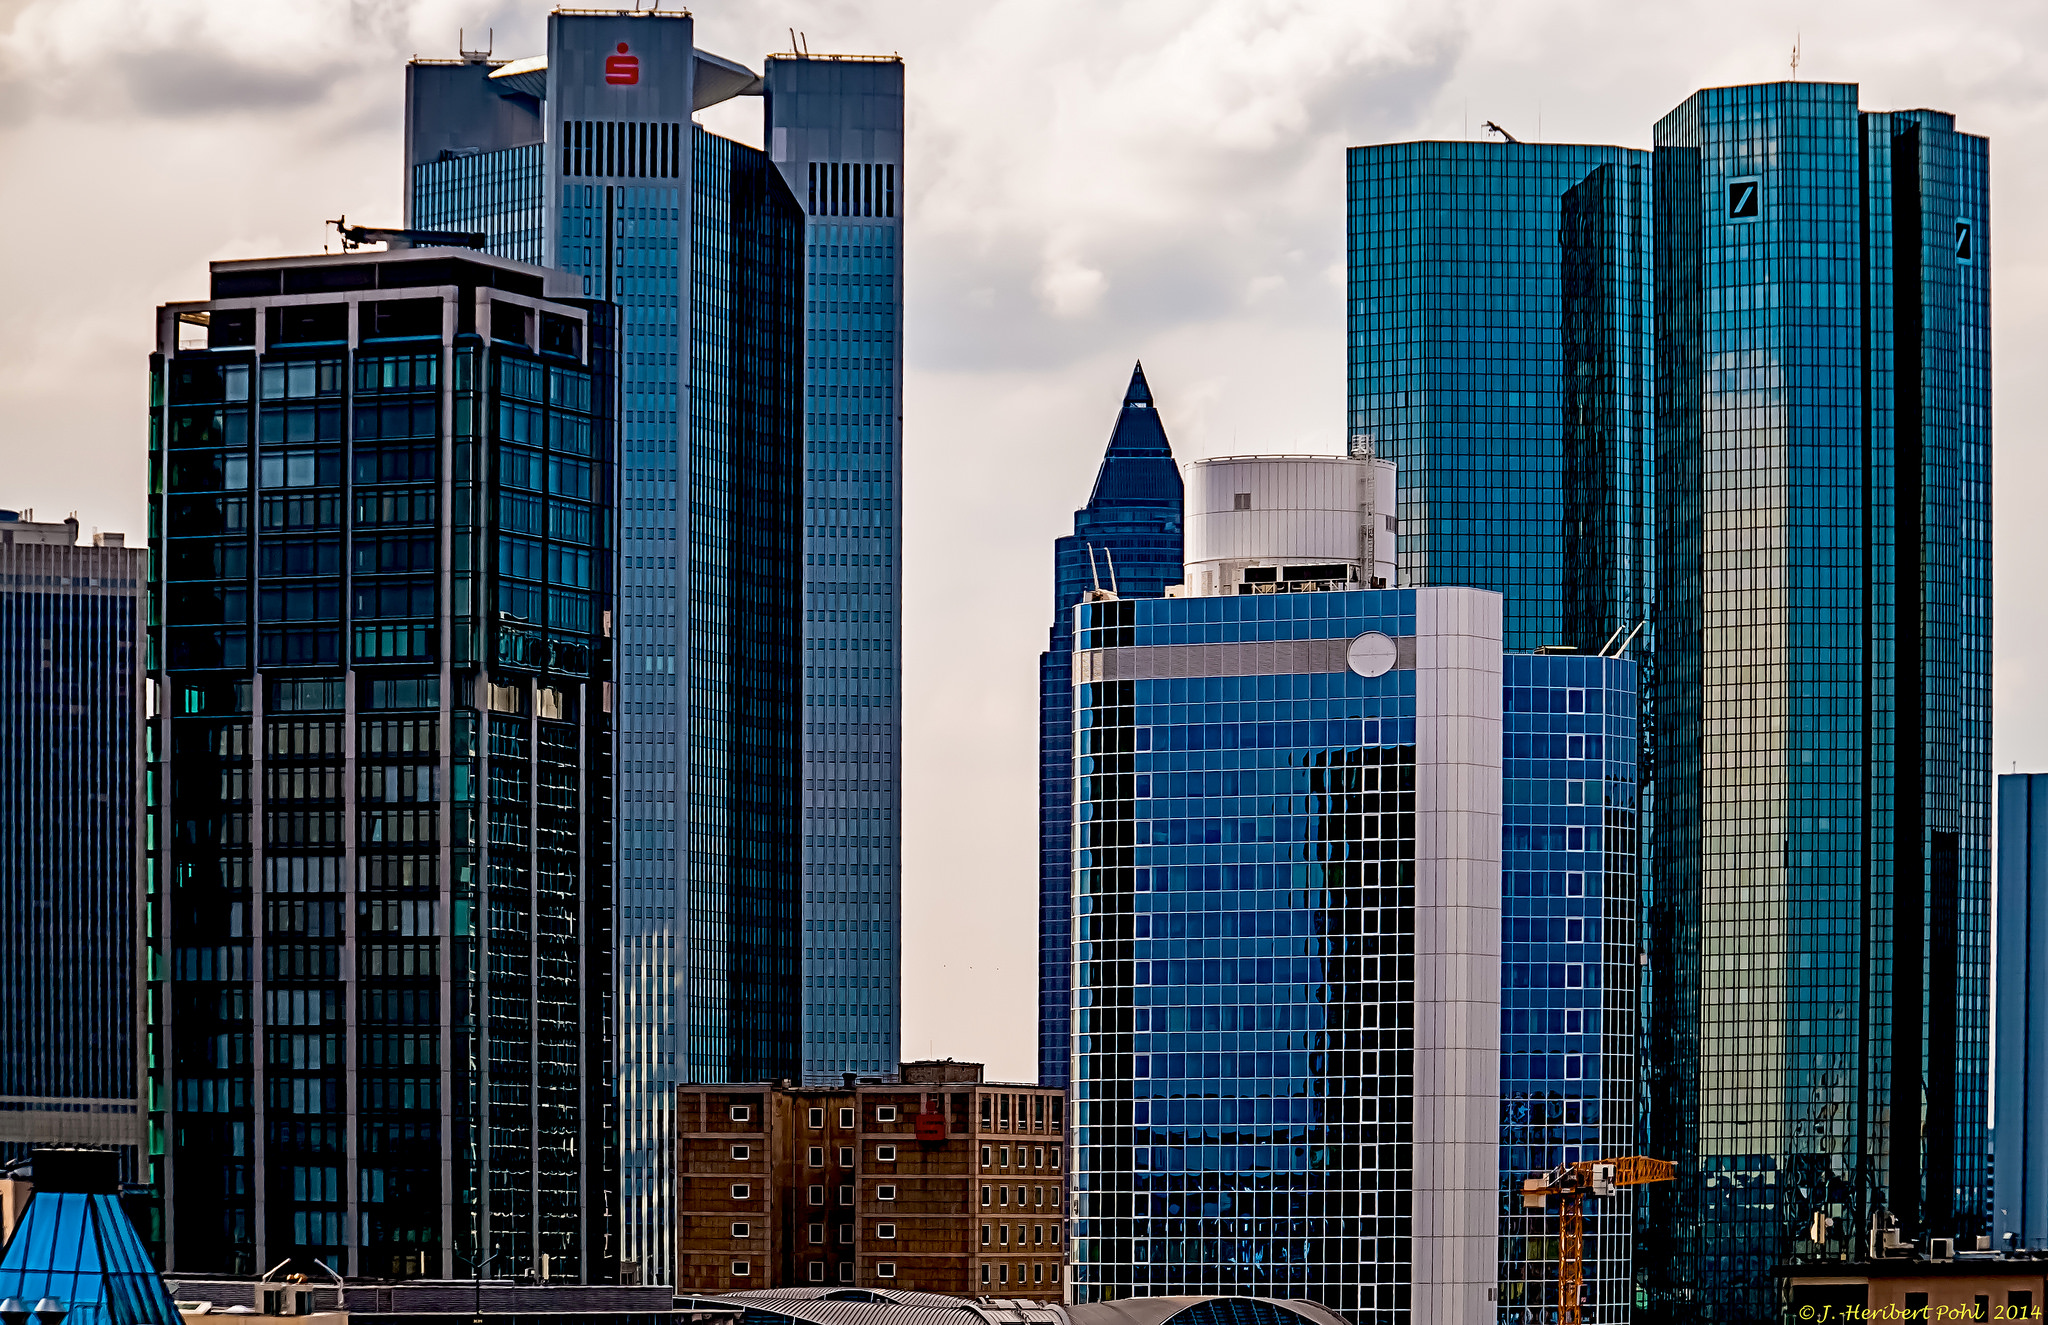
x=1572 y=1184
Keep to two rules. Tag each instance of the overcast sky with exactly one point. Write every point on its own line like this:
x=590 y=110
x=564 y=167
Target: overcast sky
x=1089 y=182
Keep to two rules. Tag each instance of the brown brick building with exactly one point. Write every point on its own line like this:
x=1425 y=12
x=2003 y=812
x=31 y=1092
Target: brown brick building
x=939 y=1183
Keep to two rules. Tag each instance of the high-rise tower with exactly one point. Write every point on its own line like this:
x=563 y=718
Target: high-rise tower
x=835 y=131
x=1128 y=537
x=1819 y=916
x=381 y=1011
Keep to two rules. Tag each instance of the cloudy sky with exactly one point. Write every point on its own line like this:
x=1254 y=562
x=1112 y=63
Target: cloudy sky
x=1090 y=182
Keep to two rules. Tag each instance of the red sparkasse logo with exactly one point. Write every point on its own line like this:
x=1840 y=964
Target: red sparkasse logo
x=622 y=69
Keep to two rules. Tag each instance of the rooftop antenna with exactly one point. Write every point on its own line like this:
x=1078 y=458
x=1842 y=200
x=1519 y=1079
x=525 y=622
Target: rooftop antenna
x=462 y=45
x=1110 y=557
x=792 y=41
x=1610 y=642
x=1490 y=127
x=1795 y=57
x=1631 y=637
x=1094 y=575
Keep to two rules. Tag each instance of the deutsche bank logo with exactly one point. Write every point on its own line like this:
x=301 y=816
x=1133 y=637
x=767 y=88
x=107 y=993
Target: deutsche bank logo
x=1964 y=252
x=1744 y=199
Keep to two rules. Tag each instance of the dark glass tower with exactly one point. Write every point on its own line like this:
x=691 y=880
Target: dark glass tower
x=71 y=824
x=1819 y=927
x=1129 y=535
x=381 y=1011
x=591 y=155
x=1500 y=341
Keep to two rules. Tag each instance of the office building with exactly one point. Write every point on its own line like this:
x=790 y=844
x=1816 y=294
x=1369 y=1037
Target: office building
x=1499 y=349
x=834 y=128
x=830 y=1306
x=380 y=865
x=1568 y=981
x=1127 y=539
x=1287 y=915
x=1819 y=925
x=71 y=825
x=937 y=1182
x=2019 y=1147
x=698 y=242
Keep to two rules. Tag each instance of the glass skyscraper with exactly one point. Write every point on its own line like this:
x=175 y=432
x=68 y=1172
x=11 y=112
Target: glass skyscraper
x=835 y=131
x=1818 y=920
x=760 y=784
x=1569 y=947
x=381 y=1009
x=71 y=826
x=1499 y=325
x=2020 y=1056
x=1128 y=537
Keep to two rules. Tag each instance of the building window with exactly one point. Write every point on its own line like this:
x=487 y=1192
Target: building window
x=740 y=1269
x=1002 y=1196
x=985 y=1194
x=1055 y=1198
x=988 y=1234
x=846 y=1232
x=886 y=1232
x=1055 y=1273
x=885 y=1154
x=817 y=1157
x=741 y=1113
x=818 y=1120
x=1055 y=1235
x=817 y=1272
x=1038 y=1235
x=1005 y=1153
x=984 y=1274
x=817 y=1235
x=1240 y=501
x=817 y=1196
x=846 y=1157
x=1055 y=1157
x=987 y=1157
x=742 y=1152
x=885 y=1193
x=1038 y=1274
x=742 y=1230
x=1038 y=1158
x=740 y=1191
x=846 y=1117
x=846 y=1272
x=885 y=1269
x=988 y=1124
x=1002 y=1274
x=846 y=1196
x=1038 y=1196
x=885 y=1113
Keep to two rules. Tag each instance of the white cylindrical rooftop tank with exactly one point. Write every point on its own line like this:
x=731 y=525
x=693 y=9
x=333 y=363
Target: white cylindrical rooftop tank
x=1278 y=524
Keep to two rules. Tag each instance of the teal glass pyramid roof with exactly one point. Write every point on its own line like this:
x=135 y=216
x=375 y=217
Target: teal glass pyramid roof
x=79 y=1248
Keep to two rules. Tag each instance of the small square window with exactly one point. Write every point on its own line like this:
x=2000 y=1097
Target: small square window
x=887 y=1232
x=1574 y=931
x=885 y=1154
x=885 y=1193
x=741 y=1191
x=742 y=1152
x=817 y=1272
x=816 y=1156
x=743 y=1230
x=1575 y=884
x=846 y=1117
x=740 y=1113
x=885 y=1113
x=1575 y=1022
x=740 y=1269
x=846 y=1232
x=846 y=1196
x=817 y=1232
x=817 y=1196
x=1240 y=501
x=885 y=1269
x=817 y=1119
x=846 y=1272
x=1574 y=975
x=846 y=1157
x=1574 y=1067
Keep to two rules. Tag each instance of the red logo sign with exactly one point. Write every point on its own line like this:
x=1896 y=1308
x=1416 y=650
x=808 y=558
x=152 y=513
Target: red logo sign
x=931 y=1127
x=622 y=69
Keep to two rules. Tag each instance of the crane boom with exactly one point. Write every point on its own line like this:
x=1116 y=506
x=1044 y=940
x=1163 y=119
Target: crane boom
x=1572 y=1184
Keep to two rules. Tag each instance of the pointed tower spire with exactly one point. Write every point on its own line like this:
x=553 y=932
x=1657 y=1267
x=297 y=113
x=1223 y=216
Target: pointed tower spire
x=1139 y=393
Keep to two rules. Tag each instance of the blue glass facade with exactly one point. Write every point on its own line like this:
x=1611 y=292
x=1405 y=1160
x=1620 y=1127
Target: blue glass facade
x=2020 y=1058
x=494 y=194
x=1819 y=915
x=1569 y=948
x=1129 y=536
x=1266 y=1069
x=71 y=822
x=835 y=130
x=1499 y=323
x=380 y=856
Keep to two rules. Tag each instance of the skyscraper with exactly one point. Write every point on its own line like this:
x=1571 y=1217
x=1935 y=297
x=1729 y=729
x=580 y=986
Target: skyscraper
x=381 y=1016
x=1500 y=357
x=1128 y=537
x=71 y=826
x=835 y=131
x=1287 y=914
x=590 y=153
x=1818 y=925
x=2020 y=1058
x=1569 y=946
